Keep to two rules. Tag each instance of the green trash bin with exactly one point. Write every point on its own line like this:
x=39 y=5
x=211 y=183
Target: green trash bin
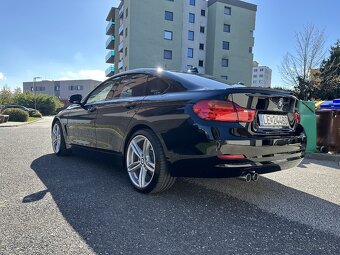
x=308 y=122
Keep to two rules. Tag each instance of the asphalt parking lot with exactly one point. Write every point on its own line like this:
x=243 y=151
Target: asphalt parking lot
x=83 y=204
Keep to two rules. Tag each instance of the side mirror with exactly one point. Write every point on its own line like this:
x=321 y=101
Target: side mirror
x=75 y=99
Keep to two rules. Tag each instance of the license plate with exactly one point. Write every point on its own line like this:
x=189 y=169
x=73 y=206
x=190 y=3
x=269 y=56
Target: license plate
x=274 y=121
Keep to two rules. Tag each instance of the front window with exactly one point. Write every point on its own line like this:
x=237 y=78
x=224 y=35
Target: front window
x=132 y=85
x=103 y=92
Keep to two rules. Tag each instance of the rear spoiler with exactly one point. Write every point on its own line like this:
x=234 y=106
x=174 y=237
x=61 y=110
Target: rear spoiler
x=242 y=87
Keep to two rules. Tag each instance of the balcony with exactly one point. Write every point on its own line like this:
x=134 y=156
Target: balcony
x=121 y=11
x=110 y=43
x=111 y=14
x=121 y=29
x=110 y=57
x=120 y=47
x=120 y=64
x=110 y=28
x=110 y=71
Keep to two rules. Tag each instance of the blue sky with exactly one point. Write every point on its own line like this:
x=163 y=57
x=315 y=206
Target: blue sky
x=66 y=38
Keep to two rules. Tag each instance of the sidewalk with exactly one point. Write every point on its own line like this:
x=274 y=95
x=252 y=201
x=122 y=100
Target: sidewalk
x=323 y=156
x=17 y=124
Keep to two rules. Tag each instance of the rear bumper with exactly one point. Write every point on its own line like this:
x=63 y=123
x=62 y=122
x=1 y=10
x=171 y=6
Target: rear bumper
x=261 y=156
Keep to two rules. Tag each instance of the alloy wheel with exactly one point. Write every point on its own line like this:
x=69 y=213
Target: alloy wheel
x=140 y=161
x=56 y=138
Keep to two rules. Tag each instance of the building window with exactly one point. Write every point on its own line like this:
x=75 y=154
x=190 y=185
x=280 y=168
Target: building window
x=126 y=12
x=192 y=2
x=224 y=77
x=191 y=18
x=225 y=62
x=126 y=51
x=227 y=10
x=225 y=45
x=200 y=63
x=167 y=35
x=167 y=54
x=191 y=35
x=202 y=29
x=261 y=69
x=250 y=49
x=77 y=87
x=255 y=76
x=169 y=15
x=203 y=13
x=255 y=69
x=201 y=46
x=126 y=32
x=190 y=53
x=261 y=75
x=226 y=28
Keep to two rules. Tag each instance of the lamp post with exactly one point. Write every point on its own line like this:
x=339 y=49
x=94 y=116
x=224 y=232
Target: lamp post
x=35 y=91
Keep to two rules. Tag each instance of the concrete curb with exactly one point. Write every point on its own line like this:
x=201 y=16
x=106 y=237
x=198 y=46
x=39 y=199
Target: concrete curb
x=19 y=124
x=323 y=156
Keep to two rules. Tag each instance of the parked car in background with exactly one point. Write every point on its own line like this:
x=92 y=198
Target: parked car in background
x=170 y=124
x=4 y=107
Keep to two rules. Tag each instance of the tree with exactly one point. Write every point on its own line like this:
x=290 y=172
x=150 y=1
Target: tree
x=295 y=67
x=330 y=74
x=5 y=96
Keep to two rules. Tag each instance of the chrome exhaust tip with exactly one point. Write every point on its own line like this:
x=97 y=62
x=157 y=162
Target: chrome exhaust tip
x=255 y=177
x=245 y=177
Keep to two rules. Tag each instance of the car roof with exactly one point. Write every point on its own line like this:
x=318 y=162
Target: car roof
x=189 y=80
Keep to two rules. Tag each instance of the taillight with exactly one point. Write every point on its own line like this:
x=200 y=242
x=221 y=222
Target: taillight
x=297 y=117
x=220 y=110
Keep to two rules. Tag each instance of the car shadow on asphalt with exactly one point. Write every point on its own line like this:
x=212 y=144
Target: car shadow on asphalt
x=96 y=199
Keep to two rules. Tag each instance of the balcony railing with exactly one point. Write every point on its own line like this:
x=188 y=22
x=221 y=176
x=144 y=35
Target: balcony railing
x=110 y=28
x=120 y=47
x=110 y=71
x=120 y=64
x=121 y=11
x=110 y=43
x=121 y=29
x=110 y=57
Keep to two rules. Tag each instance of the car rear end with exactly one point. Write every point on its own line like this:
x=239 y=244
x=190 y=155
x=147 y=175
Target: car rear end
x=241 y=130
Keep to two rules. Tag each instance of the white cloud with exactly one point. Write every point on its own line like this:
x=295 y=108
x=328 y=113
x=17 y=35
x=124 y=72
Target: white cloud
x=83 y=74
x=2 y=76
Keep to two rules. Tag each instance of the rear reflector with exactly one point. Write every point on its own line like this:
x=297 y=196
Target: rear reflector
x=220 y=110
x=231 y=156
x=297 y=117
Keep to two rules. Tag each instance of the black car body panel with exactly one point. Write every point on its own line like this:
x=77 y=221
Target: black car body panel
x=191 y=144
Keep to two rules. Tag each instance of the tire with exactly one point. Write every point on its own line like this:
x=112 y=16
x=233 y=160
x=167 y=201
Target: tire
x=58 y=140
x=150 y=155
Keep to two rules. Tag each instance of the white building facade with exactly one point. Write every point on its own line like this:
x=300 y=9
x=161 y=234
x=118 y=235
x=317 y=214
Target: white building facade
x=262 y=76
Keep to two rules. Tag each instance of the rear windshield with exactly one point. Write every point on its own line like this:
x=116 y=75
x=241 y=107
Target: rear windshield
x=201 y=82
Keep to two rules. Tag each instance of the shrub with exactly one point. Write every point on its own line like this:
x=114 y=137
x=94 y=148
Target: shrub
x=17 y=115
x=46 y=104
x=35 y=114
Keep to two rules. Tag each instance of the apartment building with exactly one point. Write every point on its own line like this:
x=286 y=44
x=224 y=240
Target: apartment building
x=215 y=36
x=262 y=76
x=61 y=89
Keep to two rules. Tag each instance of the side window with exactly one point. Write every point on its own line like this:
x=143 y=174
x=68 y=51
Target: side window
x=131 y=85
x=156 y=86
x=103 y=92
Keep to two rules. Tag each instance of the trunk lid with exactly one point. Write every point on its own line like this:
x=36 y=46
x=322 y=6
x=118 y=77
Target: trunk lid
x=275 y=109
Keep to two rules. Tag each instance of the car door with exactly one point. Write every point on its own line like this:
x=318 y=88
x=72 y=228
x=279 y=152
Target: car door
x=115 y=115
x=81 y=119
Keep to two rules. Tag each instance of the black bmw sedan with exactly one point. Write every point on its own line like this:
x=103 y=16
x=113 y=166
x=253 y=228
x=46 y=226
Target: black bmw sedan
x=170 y=124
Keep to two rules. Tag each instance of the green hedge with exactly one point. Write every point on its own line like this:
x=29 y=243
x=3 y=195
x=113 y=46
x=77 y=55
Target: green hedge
x=35 y=114
x=16 y=115
x=46 y=104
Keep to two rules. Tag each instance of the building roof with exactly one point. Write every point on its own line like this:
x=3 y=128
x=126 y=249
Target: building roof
x=237 y=3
